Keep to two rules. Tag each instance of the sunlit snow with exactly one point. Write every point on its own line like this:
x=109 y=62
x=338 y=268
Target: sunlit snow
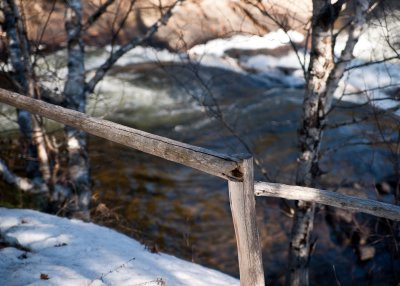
x=49 y=250
x=271 y=40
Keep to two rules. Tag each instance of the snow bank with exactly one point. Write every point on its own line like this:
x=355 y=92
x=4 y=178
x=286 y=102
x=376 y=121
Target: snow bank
x=271 y=40
x=371 y=83
x=376 y=80
x=50 y=250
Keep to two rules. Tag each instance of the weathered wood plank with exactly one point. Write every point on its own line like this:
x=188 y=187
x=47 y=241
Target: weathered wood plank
x=328 y=198
x=242 y=201
x=208 y=161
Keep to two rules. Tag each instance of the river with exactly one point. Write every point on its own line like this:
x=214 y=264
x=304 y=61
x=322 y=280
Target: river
x=184 y=212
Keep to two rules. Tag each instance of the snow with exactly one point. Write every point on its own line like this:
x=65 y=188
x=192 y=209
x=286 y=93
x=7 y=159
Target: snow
x=212 y=54
x=376 y=79
x=271 y=40
x=72 y=252
x=273 y=67
x=284 y=69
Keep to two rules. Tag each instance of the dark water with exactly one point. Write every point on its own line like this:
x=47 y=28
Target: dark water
x=184 y=212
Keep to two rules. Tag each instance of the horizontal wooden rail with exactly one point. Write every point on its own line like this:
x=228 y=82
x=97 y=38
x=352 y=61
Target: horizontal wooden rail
x=328 y=198
x=238 y=171
x=208 y=161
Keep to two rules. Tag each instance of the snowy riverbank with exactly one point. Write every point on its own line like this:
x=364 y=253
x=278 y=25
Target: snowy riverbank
x=41 y=249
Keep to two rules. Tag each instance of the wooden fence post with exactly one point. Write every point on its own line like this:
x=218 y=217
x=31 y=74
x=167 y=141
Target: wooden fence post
x=242 y=201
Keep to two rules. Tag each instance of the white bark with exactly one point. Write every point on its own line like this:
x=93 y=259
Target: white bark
x=24 y=120
x=321 y=63
x=23 y=184
x=21 y=62
x=322 y=80
x=75 y=98
x=355 y=30
x=75 y=91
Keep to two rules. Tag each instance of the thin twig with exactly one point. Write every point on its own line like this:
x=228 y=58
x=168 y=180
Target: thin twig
x=103 y=69
x=96 y=15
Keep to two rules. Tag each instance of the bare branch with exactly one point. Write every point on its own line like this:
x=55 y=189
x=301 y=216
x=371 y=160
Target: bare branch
x=281 y=25
x=23 y=184
x=121 y=24
x=97 y=14
x=364 y=118
x=371 y=63
x=356 y=28
x=346 y=123
x=367 y=90
x=357 y=143
x=39 y=40
x=102 y=70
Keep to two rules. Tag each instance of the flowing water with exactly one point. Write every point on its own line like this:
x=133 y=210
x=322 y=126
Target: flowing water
x=184 y=212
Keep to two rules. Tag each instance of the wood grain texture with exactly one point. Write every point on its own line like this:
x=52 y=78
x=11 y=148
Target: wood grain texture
x=208 y=161
x=242 y=201
x=328 y=198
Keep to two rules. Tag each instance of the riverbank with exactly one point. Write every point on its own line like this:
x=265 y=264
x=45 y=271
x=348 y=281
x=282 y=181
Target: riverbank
x=35 y=247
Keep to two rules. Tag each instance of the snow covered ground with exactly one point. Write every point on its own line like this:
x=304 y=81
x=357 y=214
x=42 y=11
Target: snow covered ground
x=49 y=250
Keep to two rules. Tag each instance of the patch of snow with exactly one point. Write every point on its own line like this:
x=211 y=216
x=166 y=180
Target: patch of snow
x=223 y=62
x=273 y=67
x=71 y=252
x=137 y=55
x=370 y=84
x=271 y=40
x=284 y=69
x=266 y=62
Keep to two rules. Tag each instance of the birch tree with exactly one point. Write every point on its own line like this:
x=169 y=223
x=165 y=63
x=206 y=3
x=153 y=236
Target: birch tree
x=38 y=167
x=322 y=79
x=74 y=197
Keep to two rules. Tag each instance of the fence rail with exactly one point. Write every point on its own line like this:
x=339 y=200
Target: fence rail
x=327 y=198
x=237 y=170
x=208 y=161
x=241 y=188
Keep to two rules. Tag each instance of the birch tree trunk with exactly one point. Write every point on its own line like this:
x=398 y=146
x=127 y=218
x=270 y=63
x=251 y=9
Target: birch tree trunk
x=24 y=120
x=75 y=98
x=321 y=64
x=323 y=76
x=75 y=197
x=75 y=90
x=38 y=167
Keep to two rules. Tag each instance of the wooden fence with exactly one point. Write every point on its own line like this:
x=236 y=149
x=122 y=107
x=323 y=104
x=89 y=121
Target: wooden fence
x=238 y=171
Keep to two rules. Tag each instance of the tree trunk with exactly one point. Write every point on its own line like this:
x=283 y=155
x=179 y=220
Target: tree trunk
x=75 y=98
x=38 y=167
x=310 y=132
x=323 y=77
